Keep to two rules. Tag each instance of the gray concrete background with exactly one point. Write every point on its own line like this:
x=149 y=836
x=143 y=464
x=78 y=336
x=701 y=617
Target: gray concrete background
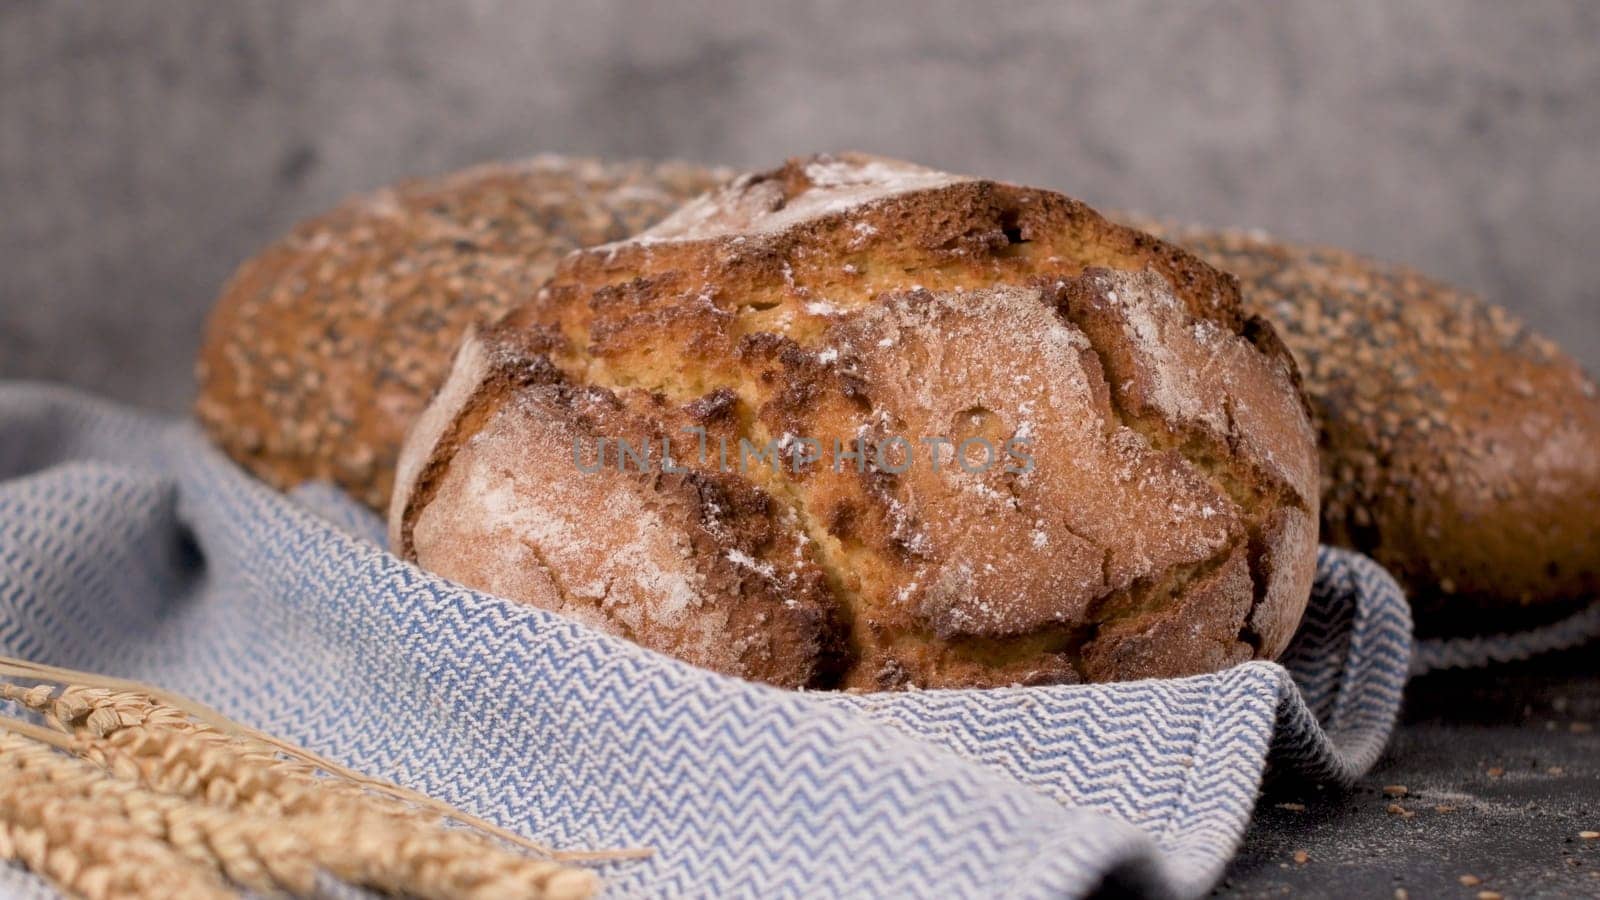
x=146 y=148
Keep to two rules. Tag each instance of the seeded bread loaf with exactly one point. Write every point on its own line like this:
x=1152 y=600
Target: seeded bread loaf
x=323 y=348
x=1164 y=523
x=1459 y=448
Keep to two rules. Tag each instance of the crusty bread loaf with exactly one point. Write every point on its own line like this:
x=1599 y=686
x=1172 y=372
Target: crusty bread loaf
x=1165 y=526
x=1459 y=448
x=323 y=348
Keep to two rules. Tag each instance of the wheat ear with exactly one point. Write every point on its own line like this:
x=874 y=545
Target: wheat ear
x=233 y=803
x=133 y=702
x=247 y=850
x=87 y=848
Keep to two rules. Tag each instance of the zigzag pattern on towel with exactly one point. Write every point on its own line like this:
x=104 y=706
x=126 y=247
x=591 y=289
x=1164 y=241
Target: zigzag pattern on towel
x=130 y=547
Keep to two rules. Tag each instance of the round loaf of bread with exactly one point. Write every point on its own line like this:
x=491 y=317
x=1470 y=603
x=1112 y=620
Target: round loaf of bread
x=1459 y=448
x=323 y=348
x=855 y=423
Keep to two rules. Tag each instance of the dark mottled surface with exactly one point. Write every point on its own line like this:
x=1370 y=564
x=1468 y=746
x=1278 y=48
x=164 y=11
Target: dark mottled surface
x=1516 y=829
x=145 y=148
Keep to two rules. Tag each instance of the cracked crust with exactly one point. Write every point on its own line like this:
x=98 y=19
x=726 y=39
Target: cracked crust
x=1458 y=447
x=1166 y=526
x=324 y=347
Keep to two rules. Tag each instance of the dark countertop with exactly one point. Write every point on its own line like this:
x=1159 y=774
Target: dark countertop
x=1501 y=770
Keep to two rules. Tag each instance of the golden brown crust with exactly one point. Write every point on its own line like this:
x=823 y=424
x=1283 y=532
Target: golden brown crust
x=1459 y=449
x=1165 y=528
x=675 y=561
x=323 y=348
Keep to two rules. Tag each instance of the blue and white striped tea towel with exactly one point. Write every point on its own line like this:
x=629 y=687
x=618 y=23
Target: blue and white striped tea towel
x=128 y=546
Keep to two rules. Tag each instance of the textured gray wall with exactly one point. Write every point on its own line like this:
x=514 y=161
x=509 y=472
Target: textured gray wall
x=146 y=148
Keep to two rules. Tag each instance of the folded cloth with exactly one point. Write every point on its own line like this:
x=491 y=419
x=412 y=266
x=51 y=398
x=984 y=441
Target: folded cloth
x=128 y=546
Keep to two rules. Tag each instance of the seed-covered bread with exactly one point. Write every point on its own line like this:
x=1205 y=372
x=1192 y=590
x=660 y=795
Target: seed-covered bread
x=1459 y=448
x=884 y=426
x=324 y=347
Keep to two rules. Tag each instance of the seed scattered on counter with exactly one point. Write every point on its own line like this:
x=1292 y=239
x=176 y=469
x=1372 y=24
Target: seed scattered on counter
x=1401 y=894
x=1580 y=728
x=1396 y=809
x=1589 y=835
x=1489 y=895
x=1556 y=771
x=1470 y=880
x=1396 y=790
x=1445 y=808
x=1301 y=857
x=1496 y=772
x=1293 y=807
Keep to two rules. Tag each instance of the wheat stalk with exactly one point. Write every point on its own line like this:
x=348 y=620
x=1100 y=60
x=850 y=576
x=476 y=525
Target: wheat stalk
x=83 y=845
x=100 y=704
x=223 y=799
x=371 y=840
x=248 y=850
